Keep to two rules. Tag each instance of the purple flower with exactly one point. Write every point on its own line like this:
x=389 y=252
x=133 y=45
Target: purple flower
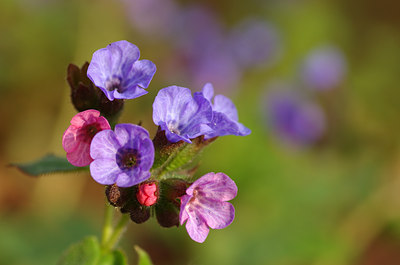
x=180 y=115
x=254 y=42
x=293 y=118
x=205 y=206
x=117 y=71
x=159 y=23
x=225 y=116
x=123 y=156
x=324 y=68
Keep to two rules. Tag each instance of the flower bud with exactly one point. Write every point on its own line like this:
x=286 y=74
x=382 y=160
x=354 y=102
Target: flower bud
x=147 y=194
x=85 y=95
x=117 y=196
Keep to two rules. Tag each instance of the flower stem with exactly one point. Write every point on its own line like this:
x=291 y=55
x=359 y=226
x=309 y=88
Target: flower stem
x=107 y=228
x=118 y=231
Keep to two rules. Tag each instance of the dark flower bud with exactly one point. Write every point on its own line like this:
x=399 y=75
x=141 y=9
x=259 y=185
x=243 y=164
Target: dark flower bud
x=138 y=213
x=168 y=205
x=85 y=95
x=118 y=197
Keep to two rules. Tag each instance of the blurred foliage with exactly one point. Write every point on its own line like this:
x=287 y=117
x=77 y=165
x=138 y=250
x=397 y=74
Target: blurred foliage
x=332 y=203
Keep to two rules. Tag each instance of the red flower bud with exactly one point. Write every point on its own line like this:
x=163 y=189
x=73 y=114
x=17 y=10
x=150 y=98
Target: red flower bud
x=147 y=194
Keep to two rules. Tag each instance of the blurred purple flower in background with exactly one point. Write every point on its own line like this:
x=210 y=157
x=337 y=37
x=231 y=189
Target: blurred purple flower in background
x=324 y=68
x=123 y=156
x=152 y=17
x=254 y=42
x=293 y=118
x=202 y=47
x=205 y=205
x=180 y=115
x=117 y=71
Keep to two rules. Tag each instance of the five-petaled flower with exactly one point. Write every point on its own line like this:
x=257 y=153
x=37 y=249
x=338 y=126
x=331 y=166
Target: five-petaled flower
x=77 y=138
x=123 y=156
x=225 y=116
x=205 y=206
x=117 y=71
x=180 y=115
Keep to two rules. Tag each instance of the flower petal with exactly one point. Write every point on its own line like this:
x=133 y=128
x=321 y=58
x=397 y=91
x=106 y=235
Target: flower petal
x=130 y=135
x=183 y=216
x=208 y=91
x=104 y=145
x=140 y=74
x=82 y=117
x=105 y=171
x=217 y=214
x=225 y=105
x=69 y=141
x=215 y=186
x=80 y=157
x=196 y=227
x=130 y=53
x=125 y=179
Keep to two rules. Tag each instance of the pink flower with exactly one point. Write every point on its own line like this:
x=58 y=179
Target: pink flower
x=77 y=138
x=205 y=206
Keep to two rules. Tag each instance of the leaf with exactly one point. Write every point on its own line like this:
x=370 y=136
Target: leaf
x=48 y=164
x=86 y=252
x=119 y=258
x=144 y=258
x=89 y=252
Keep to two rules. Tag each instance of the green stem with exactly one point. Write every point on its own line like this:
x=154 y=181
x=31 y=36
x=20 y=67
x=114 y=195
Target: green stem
x=118 y=230
x=107 y=228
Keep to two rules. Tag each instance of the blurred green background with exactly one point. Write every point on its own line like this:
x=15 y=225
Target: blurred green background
x=334 y=202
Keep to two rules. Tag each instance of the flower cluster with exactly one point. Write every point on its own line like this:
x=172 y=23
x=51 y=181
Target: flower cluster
x=142 y=175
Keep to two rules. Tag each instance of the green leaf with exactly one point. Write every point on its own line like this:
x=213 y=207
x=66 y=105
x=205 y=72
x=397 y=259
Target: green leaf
x=89 y=252
x=119 y=258
x=86 y=252
x=144 y=258
x=48 y=164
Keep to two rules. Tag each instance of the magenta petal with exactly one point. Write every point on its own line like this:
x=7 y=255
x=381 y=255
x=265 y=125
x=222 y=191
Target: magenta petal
x=104 y=171
x=215 y=186
x=217 y=214
x=82 y=117
x=80 y=157
x=69 y=141
x=197 y=228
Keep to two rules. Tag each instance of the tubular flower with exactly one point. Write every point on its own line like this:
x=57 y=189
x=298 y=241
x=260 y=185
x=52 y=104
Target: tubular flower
x=205 y=205
x=117 y=71
x=180 y=115
x=123 y=156
x=77 y=138
x=225 y=116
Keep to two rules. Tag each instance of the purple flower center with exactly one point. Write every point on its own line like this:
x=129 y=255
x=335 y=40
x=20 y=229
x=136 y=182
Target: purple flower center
x=114 y=83
x=127 y=158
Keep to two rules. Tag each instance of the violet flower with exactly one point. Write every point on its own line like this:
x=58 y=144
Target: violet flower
x=77 y=138
x=180 y=115
x=123 y=156
x=205 y=205
x=254 y=42
x=293 y=118
x=117 y=71
x=324 y=68
x=225 y=116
